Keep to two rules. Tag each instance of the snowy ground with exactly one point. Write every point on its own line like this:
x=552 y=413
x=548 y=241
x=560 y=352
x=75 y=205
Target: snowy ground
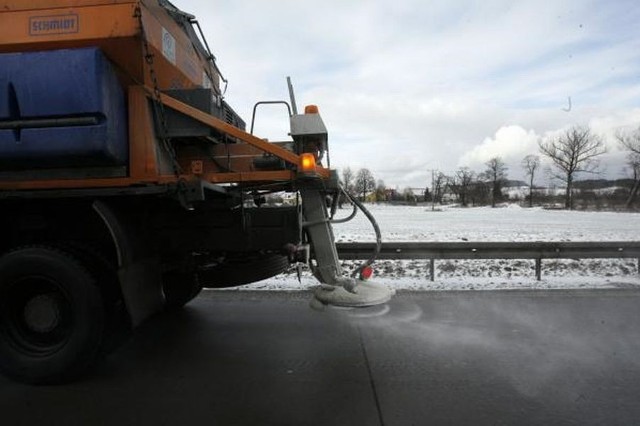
x=510 y=223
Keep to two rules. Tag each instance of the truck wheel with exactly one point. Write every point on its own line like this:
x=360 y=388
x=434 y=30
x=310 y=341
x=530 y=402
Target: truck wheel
x=179 y=288
x=241 y=271
x=117 y=326
x=51 y=315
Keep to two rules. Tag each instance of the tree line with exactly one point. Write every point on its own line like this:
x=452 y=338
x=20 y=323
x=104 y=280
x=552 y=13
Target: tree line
x=572 y=152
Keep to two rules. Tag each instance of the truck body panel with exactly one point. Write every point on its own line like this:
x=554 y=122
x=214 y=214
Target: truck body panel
x=117 y=29
x=77 y=92
x=127 y=183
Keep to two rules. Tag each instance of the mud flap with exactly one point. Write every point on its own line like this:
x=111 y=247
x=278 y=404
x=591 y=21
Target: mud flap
x=138 y=271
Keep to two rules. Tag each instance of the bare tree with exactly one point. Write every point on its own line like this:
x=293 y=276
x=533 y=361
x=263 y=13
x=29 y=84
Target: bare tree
x=409 y=195
x=347 y=179
x=364 y=183
x=347 y=184
x=575 y=151
x=479 y=192
x=426 y=195
x=495 y=174
x=381 y=191
x=633 y=161
x=460 y=184
x=438 y=184
x=630 y=141
x=531 y=164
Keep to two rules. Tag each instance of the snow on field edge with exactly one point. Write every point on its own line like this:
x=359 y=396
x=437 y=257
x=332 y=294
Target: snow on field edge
x=561 y=283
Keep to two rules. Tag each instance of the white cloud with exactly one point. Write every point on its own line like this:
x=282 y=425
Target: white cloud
x=408 y=86
x=613 y=163
x=510 y=143
x=607 y=126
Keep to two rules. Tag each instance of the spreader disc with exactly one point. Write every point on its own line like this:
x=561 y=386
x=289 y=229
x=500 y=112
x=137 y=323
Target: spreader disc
x=367 y=294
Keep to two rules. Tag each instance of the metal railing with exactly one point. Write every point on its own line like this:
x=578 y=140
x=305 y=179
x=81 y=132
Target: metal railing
x=537 y=251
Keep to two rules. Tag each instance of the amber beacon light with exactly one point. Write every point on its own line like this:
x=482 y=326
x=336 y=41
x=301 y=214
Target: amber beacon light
x=307 y=163
x=311 y=109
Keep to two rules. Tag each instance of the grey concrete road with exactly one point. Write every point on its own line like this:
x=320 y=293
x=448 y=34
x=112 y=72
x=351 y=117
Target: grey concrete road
x=249 y=358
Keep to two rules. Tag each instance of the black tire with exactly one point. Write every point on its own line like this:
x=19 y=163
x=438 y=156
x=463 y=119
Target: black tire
x=244 y=271
x=118 y=326
x=179 y=288
x=52 y=316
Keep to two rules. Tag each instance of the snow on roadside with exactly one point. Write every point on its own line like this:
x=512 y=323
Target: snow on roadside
x=510 y=223
x=483 y=275
x=284 y=283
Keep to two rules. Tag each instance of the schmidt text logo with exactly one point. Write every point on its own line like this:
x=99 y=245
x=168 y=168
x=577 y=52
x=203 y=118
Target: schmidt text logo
x=57 y=24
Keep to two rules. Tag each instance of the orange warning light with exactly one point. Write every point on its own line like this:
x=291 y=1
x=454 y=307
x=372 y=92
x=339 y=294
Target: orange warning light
x=311 y=109
x=307 y=162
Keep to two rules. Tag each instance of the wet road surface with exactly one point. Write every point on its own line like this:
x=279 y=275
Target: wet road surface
x=257 y=358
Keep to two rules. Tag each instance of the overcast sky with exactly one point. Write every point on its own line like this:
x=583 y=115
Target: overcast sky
x=407 y=86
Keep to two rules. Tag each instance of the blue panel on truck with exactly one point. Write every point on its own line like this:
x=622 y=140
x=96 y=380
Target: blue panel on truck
x=61 y=108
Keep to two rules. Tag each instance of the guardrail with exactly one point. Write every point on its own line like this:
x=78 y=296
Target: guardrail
x=494 y=250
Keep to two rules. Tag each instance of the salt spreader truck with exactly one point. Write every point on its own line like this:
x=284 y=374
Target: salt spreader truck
x=127 y=183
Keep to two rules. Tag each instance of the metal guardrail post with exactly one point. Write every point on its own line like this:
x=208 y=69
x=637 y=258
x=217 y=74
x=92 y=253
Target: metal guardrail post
x=432 y=263
x=539 y=269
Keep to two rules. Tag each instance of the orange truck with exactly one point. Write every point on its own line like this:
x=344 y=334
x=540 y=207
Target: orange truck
x=127 y=183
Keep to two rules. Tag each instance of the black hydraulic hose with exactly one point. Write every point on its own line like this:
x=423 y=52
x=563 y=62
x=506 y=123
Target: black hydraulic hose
x=335 y=221
x=376 y=228
x=357 y=205
x=353 y=213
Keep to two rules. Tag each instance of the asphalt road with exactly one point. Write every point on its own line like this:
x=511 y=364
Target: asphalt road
x=257 y=358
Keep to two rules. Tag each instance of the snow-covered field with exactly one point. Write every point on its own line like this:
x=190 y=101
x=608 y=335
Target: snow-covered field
x=509 y=223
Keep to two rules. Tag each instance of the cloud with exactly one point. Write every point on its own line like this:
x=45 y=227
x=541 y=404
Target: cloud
x=408 y=86
x=607 y=126
x=613 y=164
x=510 y=143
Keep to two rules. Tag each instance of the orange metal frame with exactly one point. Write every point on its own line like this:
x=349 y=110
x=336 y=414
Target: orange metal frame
x=114 y=26
x=144 y=167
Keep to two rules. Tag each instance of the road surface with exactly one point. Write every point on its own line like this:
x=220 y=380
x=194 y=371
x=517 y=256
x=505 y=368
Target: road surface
x=261 y=358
